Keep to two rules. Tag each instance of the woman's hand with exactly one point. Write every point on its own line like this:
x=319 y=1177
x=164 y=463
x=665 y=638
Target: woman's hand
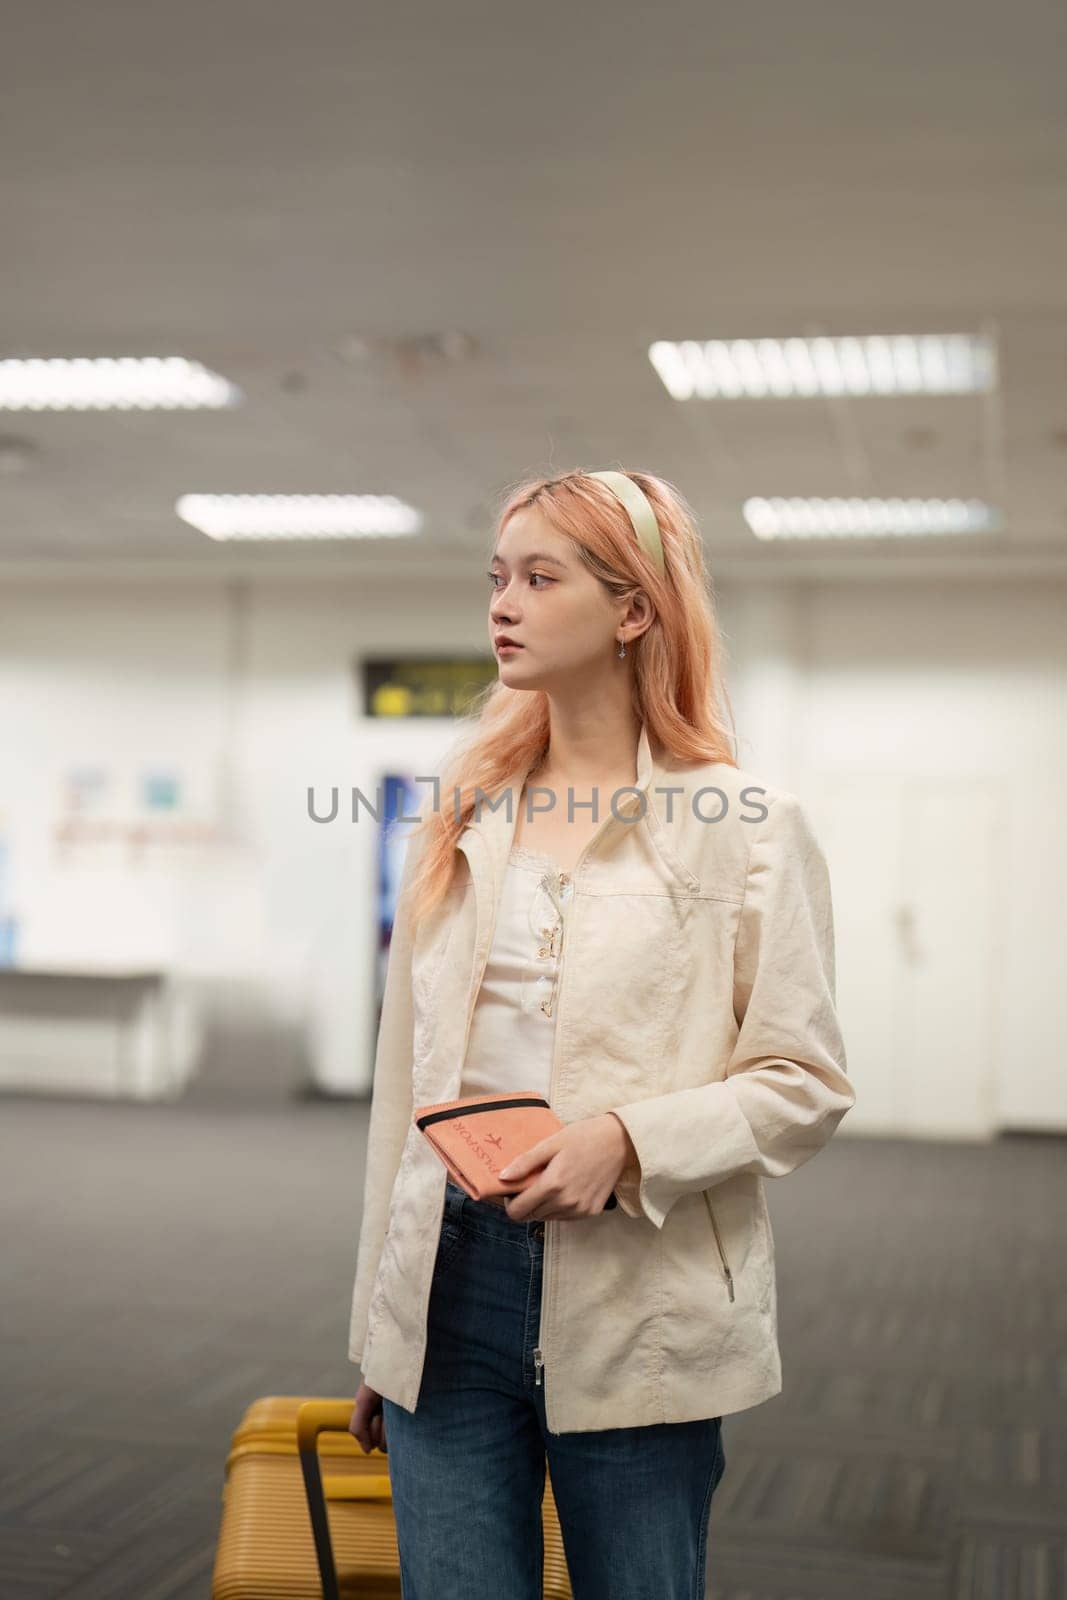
x=368 y=1422
x=581 y=1164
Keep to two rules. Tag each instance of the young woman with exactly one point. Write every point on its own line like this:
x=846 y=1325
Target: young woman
x=601 y=906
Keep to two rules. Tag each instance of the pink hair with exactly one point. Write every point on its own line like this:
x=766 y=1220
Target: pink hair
x=678 y=685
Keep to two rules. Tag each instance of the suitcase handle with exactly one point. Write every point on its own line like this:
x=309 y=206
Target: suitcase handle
x=329 y=1416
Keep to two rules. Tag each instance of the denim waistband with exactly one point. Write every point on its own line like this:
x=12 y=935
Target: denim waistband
x=489 y=1215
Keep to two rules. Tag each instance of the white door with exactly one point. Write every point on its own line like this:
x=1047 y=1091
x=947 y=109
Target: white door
x=912 y=868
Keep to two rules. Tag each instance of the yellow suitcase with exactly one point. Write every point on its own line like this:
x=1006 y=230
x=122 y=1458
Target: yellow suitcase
x=308 y=1515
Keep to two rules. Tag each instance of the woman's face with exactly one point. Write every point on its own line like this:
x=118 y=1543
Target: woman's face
x=544 y=598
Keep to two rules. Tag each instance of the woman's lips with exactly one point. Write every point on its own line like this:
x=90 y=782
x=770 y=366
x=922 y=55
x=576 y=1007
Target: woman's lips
x=505 y=646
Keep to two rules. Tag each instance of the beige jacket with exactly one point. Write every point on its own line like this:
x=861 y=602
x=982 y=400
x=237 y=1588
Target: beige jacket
x=695 y=1000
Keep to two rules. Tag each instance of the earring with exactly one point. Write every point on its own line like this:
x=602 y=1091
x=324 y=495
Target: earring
x=622 y=647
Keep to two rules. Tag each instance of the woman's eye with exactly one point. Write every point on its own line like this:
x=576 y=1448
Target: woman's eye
x=493 y=576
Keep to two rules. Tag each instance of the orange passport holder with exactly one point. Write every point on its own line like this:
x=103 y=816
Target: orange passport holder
x=479 y=1134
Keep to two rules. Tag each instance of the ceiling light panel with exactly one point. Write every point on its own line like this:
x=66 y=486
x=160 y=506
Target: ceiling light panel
x=299 y=516
x=866 y=519
x=113 y=383
x=873 y=364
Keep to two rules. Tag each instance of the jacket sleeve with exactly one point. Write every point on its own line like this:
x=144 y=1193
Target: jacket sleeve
x=786 y=1086
x=392 y=1105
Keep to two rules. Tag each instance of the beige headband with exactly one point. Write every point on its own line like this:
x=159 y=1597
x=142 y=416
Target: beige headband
x=637 y=504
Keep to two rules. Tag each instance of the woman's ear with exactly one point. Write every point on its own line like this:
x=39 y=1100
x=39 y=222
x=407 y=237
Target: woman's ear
x=639 y=609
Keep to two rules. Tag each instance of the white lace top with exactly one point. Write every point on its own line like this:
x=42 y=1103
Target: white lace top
x=513 y=1026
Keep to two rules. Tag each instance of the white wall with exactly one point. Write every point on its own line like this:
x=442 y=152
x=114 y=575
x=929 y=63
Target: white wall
x=894 y=712
x=926 y=728
x=254 y=695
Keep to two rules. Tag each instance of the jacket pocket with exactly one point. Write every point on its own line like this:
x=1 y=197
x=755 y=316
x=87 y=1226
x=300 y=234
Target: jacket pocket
x=727 y=1274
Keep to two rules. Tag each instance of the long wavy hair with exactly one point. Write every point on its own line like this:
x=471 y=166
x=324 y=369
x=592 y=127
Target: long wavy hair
x=678 y=687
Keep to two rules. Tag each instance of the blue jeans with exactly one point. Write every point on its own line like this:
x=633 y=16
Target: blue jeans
x=468 y=1465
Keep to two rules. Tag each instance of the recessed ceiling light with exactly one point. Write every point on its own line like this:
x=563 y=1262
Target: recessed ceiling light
x=299 y=516
x=112 y=383
x=874 y=364
x=865 y=519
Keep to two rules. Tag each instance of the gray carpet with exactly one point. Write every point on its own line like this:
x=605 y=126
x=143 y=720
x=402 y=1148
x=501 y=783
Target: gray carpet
x=163 y=1267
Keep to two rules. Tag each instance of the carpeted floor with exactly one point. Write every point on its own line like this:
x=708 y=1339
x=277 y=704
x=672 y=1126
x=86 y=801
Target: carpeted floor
x=161 y=1267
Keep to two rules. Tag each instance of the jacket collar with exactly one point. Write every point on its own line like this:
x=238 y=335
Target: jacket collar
x=487 y=839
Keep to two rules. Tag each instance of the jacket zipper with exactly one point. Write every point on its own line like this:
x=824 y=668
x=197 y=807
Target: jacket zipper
x=565 y=877
x=718 y=1240
x=549 y=1256
x=470 y=1018
x=538 y=1355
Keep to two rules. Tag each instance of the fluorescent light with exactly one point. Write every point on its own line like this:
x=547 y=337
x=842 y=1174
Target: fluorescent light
x=112 y=383
x=875 y=364
x=298 y=516
x=870 y=519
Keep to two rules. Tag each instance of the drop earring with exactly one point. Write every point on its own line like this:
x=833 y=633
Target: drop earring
x=622 y=647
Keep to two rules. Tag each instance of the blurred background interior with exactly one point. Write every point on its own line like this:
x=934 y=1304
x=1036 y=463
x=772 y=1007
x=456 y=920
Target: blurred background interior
x=808 y=264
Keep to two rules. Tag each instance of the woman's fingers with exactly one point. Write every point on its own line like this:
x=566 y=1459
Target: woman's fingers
x=367 y=1423
x=358 y=1428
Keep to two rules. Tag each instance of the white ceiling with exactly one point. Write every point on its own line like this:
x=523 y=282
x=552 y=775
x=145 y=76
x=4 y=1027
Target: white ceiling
x=261 y=185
